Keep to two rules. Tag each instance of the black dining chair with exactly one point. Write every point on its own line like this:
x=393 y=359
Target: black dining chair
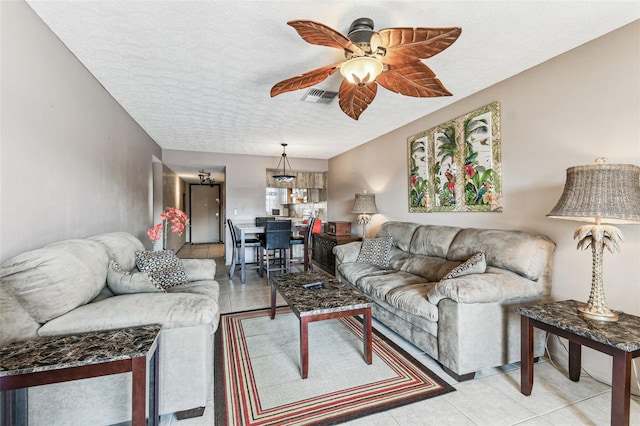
x=261 y=221
x=248 y=243
x=277 y=235
x=300 y=240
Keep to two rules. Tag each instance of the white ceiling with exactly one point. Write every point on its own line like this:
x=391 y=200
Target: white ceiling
x=196 y=75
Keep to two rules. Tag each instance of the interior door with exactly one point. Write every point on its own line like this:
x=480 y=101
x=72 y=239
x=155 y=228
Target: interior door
x=205 y=214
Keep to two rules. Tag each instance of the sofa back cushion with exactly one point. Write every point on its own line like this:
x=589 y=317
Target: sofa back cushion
x=121 y=247
x=401 y=232
x=521 y=252
x=431 y=268
x=433 y=240
x=55 y=279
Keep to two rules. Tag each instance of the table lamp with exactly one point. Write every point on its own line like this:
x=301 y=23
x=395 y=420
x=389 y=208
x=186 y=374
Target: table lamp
x=603 y=194
x=365 y=205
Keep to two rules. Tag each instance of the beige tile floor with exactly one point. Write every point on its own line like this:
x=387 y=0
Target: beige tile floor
x=492 y=398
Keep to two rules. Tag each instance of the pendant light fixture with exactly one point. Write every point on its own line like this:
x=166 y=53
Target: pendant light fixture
x=284 y=177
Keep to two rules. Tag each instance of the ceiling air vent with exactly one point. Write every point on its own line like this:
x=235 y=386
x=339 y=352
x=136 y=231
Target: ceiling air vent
x=319 y=96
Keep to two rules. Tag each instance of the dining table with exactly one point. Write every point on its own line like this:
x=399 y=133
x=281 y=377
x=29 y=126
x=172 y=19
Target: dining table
x=244 y=229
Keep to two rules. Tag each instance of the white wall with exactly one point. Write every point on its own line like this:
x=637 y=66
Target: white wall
x=565 y=112
x=72 y=162
x=245 y=179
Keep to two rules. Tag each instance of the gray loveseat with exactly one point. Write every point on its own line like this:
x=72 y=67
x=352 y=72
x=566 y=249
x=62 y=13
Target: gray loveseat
x=466 y=323
x=62 y=289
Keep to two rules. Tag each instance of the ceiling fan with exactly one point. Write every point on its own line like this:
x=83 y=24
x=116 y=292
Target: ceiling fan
x=390 y=57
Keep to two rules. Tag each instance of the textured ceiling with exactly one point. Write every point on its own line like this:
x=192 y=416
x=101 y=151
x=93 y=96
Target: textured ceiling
x=196 y=75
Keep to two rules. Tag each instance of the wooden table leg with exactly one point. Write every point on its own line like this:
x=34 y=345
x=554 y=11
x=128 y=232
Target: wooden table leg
x=272 y=314
x=139 y=391
x=366 y=329
x=621 y=388
x=575 y=360
x=526 y=356
x=304 y=346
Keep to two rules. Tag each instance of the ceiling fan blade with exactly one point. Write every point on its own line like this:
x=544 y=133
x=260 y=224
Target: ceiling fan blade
x=354 y=99
x=414 y=79
x=405 y=45
x=304 y=80
x=321 y=35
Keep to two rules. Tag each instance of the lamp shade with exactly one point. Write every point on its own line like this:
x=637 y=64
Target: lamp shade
x=365 y=203
x=361 y=70
x=608 y=192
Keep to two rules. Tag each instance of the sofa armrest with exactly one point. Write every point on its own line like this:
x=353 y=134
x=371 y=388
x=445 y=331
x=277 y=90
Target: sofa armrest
x=347 y=253
x=492 y=286
x=199 y=269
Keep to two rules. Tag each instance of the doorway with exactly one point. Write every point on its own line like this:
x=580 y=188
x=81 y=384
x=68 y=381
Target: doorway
x=205 y=210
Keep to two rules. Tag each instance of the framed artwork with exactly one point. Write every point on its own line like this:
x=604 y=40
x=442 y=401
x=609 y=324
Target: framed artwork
x=456 y=166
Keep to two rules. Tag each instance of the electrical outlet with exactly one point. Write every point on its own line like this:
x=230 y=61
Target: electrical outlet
x=235 y=211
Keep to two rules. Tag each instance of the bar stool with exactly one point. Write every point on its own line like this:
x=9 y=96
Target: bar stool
x=277 y=237
x=235 y=257
x=301 y=240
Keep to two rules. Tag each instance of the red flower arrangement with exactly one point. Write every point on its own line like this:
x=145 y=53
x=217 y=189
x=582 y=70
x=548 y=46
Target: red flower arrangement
x=178 y=220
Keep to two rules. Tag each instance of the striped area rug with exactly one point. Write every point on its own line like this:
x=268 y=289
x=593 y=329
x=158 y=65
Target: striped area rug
x=257 y=372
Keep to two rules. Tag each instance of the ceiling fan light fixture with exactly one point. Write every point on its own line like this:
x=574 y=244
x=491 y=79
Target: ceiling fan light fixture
x=283 y=177
x=361 y=70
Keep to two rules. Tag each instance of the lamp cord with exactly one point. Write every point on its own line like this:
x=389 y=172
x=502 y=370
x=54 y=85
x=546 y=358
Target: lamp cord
x=586 y=373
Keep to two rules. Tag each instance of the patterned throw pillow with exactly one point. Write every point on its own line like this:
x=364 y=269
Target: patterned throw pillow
x=122 y=282
x=163 y=266
x=476 y=264
x=376 y=251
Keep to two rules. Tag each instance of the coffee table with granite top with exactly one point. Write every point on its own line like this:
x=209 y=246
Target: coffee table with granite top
x=333 y=300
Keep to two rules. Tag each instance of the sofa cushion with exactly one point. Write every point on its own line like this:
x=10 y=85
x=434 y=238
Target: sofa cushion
x=121 y=247
x=376 y=251
x=199 y=269
x=55 y=279
x=397 y=258
x=172 y=310
x=163 y=266
x=521 y=252
x=495 y=285
x=401 y=232
x=352 y=272
x=121 y=282
x=430 y=268
x=378 y=285
x=476 y=264
x=413 y=299
x=432 y=240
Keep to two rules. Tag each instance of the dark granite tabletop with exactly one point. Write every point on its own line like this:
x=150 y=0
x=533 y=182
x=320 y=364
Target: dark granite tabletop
x=623 y=334
x=334 y=297
x=53 y=353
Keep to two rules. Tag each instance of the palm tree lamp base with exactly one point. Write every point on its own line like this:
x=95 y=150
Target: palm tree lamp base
x=598 y=314
x=598 y=237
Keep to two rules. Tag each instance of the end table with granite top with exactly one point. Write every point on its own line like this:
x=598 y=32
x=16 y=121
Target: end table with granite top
x=80 y=356
x=333 y=300
x=619 y=339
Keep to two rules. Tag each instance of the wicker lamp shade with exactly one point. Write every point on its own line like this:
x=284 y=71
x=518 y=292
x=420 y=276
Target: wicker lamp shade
x=365 y=203
x=610 y=192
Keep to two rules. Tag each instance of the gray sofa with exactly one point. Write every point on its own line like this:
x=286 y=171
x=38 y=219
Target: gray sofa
x=62 y=289
x=467 y=323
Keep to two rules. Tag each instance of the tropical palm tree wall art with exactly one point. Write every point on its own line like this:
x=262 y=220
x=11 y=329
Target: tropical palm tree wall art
x=456 y=166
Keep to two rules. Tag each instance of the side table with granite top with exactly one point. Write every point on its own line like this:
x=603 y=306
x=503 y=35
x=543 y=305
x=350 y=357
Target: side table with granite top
x=80 y=356
x=333 y=300
x=619 y=339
